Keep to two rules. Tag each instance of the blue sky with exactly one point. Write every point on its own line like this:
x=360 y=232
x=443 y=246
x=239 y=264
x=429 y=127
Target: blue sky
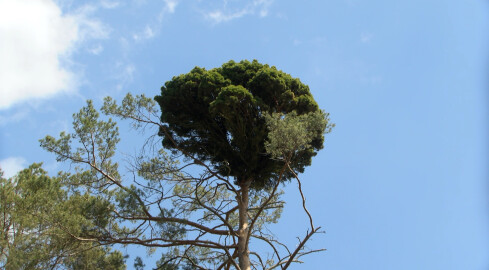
x=402 y=182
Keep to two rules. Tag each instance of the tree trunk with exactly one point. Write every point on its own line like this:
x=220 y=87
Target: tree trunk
x=243 y=251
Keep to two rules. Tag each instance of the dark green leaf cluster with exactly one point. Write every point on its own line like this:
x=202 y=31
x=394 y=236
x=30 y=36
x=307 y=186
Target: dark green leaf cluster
x=218 y=115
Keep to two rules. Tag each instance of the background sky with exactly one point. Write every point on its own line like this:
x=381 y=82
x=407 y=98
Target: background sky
x=403 y=180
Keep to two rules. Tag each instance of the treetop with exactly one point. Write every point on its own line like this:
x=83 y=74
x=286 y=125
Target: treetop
x=219 y=115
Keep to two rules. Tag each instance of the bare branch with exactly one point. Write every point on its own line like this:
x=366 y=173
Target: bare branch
x=303 y=198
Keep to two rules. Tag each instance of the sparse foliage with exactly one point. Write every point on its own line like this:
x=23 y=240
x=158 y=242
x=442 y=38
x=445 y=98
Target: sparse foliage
x=231 y=134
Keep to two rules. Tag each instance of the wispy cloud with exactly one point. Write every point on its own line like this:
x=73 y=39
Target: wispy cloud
x=8 y=117
x=96 y=50
x=109 y=4
x=147 y=33
x=125 y=74
x=88 y=26
x=219 y=16
x=139 y=2
x=12 y=165
x=37 y=42
x=170 y=5
x=366 y=37
x=153 y=28
x=315 y=41
x=227 y=11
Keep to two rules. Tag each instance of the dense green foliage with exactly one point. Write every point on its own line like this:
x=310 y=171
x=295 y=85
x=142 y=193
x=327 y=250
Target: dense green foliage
x=40 y=219
x=218 y=115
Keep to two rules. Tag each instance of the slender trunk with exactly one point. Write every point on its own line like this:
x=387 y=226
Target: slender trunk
x=243 y=251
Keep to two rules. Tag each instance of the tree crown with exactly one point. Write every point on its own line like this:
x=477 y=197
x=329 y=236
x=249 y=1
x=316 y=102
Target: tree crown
x=220 y=115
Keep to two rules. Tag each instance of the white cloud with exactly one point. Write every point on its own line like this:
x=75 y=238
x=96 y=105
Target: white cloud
x=12 y=165
x=218 y=16
x=34 y=36
x=37 y=40
x=229 y=12
x=171 y=5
